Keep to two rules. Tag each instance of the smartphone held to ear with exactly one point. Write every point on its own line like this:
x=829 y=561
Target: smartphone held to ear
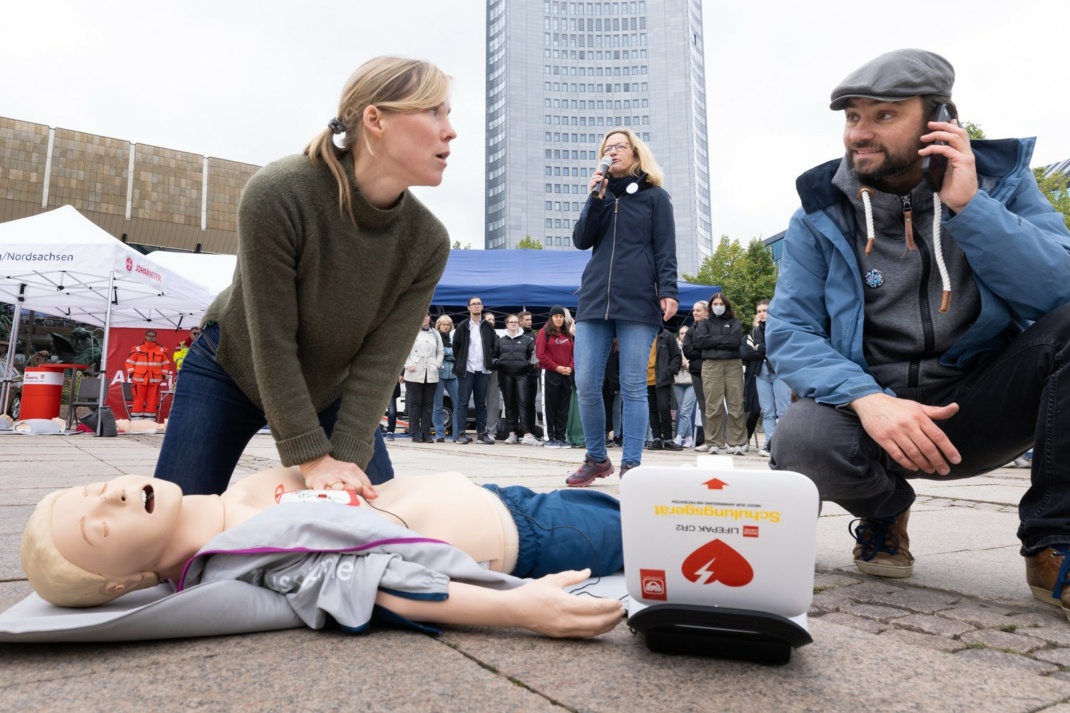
x=934 y=166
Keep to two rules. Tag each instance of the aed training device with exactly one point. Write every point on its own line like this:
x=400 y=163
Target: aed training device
x=720 y=562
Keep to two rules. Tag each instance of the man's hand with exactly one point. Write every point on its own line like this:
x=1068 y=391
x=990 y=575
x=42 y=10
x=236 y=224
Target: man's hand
x=544 y=607
x=960 y=180
x=668 y=308
x=326 y=473
x=905 y=429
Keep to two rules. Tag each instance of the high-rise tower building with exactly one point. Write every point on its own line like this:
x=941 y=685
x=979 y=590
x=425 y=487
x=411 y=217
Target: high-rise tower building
x=559 y=76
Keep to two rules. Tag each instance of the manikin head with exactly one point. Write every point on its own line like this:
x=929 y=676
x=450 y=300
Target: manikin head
x=87 y=545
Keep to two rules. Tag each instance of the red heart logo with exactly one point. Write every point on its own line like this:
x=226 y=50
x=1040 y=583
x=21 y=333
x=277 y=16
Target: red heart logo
x=717 y=562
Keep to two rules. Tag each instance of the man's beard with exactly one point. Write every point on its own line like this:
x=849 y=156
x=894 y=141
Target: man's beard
x=893 y=172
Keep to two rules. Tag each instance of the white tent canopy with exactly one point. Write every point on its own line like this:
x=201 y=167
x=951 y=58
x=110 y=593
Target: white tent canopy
x=61 y=263
x=213 y=271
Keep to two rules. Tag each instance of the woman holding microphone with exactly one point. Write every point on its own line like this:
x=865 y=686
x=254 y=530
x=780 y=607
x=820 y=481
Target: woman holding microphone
x=628 y=291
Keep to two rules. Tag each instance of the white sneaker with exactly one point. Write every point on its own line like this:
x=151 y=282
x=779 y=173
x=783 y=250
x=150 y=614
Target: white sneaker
x=531 y=440
x=737 y=450
x=678 y=440
x=689 y=442
x=702 y=449
x=763 y=453
x=511 y=440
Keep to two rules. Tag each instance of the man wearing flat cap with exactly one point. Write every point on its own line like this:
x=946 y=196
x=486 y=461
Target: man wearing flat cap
x=926 y=332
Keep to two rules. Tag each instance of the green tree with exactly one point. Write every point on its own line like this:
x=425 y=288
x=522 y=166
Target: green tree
x=974 y=130
x=745 y=274
x=529 y=243
x=457 y=245
x=1056 y=188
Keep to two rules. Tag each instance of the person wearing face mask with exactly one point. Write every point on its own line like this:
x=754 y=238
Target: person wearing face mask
x=512 y=361
x=719 y=339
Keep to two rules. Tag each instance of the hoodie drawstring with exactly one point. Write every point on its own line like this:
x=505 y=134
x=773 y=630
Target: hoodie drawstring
x=871 y=236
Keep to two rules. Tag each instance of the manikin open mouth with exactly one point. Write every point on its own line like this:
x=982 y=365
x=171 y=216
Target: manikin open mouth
x=148 y=499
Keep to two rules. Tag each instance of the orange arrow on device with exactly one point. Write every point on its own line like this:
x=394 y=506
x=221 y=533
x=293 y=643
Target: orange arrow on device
x=715 y=484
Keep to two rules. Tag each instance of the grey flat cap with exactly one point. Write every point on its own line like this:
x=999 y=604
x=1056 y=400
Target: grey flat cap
x=896 y=76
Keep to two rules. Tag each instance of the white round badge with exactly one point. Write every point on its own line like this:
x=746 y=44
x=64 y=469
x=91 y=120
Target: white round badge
x=632 y=188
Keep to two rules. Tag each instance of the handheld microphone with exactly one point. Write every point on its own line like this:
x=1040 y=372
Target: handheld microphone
x=602 y=168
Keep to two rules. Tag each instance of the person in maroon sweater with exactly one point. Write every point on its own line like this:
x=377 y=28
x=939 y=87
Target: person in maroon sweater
x=553 y=347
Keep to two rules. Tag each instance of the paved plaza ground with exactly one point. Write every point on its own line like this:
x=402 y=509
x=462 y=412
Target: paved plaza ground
x=963 y=634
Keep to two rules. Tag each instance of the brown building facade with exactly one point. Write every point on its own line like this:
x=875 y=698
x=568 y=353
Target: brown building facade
x=141 y=194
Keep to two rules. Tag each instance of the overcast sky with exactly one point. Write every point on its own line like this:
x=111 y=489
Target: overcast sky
x=253 y=81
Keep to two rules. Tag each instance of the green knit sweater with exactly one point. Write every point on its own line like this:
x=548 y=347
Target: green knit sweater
x=320 y=308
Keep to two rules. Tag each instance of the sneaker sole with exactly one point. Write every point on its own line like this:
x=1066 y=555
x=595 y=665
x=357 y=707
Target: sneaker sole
x=895 y=571
x=587 y=482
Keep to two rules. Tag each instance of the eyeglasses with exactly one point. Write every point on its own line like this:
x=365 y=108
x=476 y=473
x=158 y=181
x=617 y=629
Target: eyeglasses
x=617 y=147
x=475 y=304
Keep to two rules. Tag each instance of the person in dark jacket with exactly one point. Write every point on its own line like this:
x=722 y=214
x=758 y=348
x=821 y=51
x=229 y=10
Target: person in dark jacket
x=699 y=311
x=774 y=396
x=472 y=365
x=512 y=361
x=628 y=291
x=533 y=380
x=719 y=338
x=667 y=362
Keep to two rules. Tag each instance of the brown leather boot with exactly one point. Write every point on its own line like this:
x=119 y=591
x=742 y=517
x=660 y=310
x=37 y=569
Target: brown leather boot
x=1042 y=574
x=883 y=548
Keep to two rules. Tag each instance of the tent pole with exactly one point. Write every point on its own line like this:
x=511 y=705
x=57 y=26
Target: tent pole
x=104 y=354
x=12 y=342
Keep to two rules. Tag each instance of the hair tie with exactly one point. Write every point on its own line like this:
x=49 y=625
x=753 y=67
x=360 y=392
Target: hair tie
x=336 y=126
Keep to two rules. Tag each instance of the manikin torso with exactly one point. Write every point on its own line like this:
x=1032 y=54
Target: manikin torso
x=444 y=506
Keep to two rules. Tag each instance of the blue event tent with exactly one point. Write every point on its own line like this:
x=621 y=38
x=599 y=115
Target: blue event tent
x=534 y=279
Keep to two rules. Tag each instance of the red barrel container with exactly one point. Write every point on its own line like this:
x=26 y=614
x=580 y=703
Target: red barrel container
x=42 y=390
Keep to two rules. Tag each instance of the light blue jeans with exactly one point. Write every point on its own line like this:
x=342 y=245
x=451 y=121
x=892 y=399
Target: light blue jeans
x=774 y=396
x=438 y=420
x=685 y=409
x=594 y=339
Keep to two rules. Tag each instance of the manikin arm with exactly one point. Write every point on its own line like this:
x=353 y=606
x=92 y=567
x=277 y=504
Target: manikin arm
x=540 y=606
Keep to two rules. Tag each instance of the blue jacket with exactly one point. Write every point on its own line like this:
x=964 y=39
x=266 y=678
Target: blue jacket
x=1015 y=242
x=633 y=261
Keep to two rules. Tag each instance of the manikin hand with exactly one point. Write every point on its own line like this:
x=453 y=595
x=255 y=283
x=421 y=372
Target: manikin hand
x=326 y=473
x=668 y=308
x=960 y=180
x=544 y=607
x=905 y=429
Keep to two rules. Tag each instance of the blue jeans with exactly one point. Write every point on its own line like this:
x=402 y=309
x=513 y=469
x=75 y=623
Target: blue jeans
x=438 y=417
x=212 y=422
x=685 y=409
x=774 y=396
x=564 y=529
x=473 y=384
x=594 y=339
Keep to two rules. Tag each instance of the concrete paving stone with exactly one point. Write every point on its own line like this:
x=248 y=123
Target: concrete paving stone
x=10 y=568
x=993 y=575
x=259 y=673
x=855 y=622
x=12 y=593
x=869 y=588
x=1060 y=676
x=824 y=581
x=915 y=638
x=984 y=616
x=873 y=611
x=824 y=676
x=1005 y=661
x=930 y=624
x=1059 y=708
x=1005 y=641
x=916 y=600
x=1059 y=656
x=13 y=518
x=1052 y=632
x=830 y=600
